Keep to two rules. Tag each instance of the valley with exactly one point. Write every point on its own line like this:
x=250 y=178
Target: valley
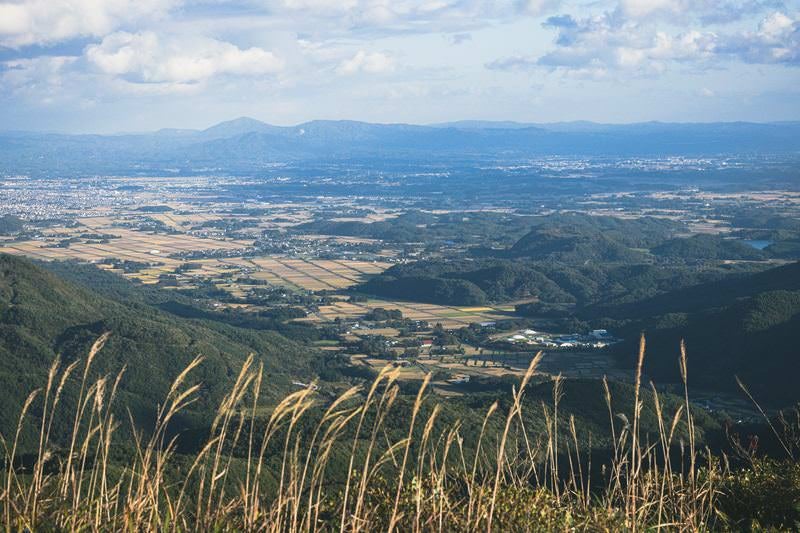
x=412 y=280
x=399 y=266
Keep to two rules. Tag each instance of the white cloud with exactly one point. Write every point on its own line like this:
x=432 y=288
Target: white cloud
x=537 y=7
x=606 y=43
x=125 y=87
x=41 y=80
x=26 y=22
x=229 y=54
x=412 y=15
x=459 y=38
x=705 y=11
x=146 y=57
x=777 y=40
x=371 y=63
x=776 y=25
x=645 y=8
x=35 y=72
x=321 y=6
x=44 y=22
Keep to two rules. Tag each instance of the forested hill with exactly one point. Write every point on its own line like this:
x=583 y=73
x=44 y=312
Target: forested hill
x=700 y=297
x=43 y=316
x=564 y=259
x=707 y=247
x=578 y=238
x=746 y=326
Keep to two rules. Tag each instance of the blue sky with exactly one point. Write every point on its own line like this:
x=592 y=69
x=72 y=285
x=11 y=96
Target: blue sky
x=134 y=65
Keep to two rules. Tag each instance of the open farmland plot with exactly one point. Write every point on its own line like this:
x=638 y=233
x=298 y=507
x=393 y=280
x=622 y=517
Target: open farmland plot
x=377 y=216
x=128 y=245
x=314 y=275
x=448 y=317
x=177 y=222
x=419 y=368
x=169 y=244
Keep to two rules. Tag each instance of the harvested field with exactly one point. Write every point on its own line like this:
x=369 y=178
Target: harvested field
x=448 y=317
x=314 y=275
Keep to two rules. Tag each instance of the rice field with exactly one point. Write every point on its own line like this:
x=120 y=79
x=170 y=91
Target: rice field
x=129 y=245
x=448 y=317
x=158 y=251
x=313 y=275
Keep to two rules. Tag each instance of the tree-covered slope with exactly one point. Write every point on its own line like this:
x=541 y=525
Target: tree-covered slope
x=746 y=326
x=706 y=247
x=464 y=282
x=10 y=224
x=549 y=282
x=579 y=238
x=43 y=317
x=705 y=295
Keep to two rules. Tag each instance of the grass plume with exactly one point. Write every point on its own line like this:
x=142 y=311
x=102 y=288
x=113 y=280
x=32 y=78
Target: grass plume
x=258 y=472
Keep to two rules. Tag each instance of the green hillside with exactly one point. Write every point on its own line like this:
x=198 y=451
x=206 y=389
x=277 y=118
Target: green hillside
x=746 y=326
x=578 y=238
x=42 y=317
x=555 y=283
x=699 y=296
x=464 y=282
x=706 y=247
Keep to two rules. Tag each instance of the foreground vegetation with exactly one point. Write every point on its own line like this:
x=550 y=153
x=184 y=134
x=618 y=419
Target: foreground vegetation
x=270 y=470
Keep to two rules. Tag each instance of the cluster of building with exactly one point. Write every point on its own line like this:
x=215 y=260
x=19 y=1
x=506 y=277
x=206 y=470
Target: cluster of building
x=598 y=338
x=330 y=248
x=44 y=199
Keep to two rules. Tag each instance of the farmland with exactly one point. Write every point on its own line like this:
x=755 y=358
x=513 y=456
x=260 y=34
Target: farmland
x=313 y=275
x=159 y=251
x=171 y=233
x=232 y=244
x=449 y=317
x=370 y=269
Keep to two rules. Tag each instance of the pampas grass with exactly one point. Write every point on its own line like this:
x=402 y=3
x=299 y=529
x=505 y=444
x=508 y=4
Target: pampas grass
x=428 y=480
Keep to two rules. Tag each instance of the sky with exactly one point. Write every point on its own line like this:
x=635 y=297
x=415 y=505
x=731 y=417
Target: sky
x=138 y=65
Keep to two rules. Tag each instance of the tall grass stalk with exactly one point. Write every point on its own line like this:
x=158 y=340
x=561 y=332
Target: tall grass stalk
x=265 y=469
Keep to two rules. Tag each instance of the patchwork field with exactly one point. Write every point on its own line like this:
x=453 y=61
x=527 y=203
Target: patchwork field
x=448 y=317
x=124 y=242
x=314 y=275
x=126 y=245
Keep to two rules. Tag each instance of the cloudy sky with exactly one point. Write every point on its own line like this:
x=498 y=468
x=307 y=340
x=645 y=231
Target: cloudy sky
x=133 y=65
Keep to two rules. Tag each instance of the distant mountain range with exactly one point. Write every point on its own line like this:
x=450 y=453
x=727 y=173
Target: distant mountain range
x=248 y=144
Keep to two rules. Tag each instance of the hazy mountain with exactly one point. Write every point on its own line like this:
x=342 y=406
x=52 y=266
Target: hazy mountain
x=239 y=126
x=484 y=125
x=244 y=144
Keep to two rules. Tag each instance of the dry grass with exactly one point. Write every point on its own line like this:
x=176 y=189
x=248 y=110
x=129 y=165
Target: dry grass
x=426 y=480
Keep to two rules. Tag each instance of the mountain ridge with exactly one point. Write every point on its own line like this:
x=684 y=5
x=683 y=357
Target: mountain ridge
x=246 y=144
x=245 y=124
